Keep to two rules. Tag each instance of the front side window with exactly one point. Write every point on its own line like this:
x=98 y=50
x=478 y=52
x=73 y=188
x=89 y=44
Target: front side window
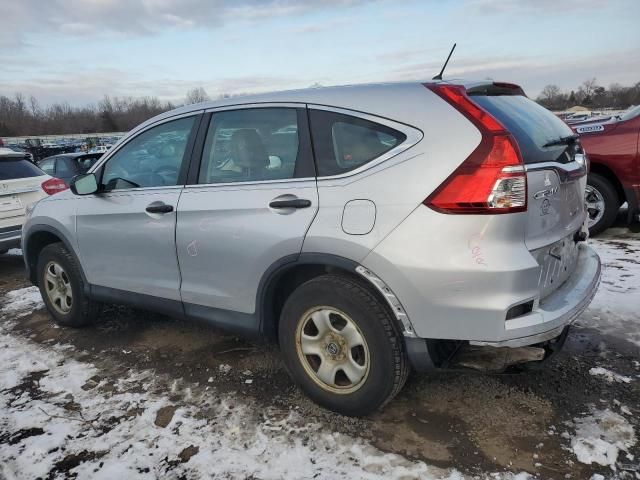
x=151 y=159
x=254 y=144
x=343 y=143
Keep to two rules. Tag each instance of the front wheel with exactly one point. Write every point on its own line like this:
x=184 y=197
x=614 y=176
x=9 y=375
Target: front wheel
x=602 y=203
x=62 y=287
x=342 y=346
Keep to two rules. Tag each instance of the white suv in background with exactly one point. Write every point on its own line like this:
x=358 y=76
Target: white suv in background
x=21 y=184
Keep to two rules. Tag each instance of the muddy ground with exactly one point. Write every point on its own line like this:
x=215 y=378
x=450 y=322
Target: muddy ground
x=471 y=421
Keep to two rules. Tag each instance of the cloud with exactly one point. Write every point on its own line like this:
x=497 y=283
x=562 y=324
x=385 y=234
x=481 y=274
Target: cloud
x=144 y=17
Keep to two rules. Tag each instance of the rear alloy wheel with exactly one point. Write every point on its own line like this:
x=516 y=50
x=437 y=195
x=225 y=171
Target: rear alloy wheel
x=342 y=345
x=601 y=202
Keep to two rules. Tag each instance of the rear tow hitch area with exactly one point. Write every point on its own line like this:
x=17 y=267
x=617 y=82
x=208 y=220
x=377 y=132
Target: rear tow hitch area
x=450 y=354
x=495 y=359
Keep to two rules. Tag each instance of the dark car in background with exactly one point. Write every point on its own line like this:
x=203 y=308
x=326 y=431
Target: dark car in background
x=612 y=147
x=67 y=165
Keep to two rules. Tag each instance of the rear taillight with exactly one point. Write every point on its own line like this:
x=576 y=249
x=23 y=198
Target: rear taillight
x=492 y=180
x=53 y=185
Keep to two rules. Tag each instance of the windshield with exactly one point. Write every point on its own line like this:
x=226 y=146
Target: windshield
x=631 y=112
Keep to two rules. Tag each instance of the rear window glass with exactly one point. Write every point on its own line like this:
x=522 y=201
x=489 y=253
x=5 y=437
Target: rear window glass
x=532 y=125
x=18 y=168
x=343 y=143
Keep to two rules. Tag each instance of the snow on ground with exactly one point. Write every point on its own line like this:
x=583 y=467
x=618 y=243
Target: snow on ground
x=21 y=302
x=15 y=252
x=59 y=417
x=608 y=375
x=616 y=307
x=600 y=436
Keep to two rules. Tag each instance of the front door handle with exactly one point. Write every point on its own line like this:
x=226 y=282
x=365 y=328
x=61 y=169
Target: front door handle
x=292 y=203
x=159 y=208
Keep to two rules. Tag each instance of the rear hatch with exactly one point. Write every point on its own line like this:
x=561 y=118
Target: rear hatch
x=20 y=185
x=556 y=179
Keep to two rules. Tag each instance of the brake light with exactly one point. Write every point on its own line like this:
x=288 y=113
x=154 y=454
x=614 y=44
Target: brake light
x=53 y=185
x=492 y=179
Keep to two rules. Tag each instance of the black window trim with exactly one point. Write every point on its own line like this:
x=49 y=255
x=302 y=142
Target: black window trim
x=413 y=136
x=304 y=139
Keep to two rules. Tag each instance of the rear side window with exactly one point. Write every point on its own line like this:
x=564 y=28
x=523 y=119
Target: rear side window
x=256 y=144
x=532 y=125
x=343 y=143
x=18 y=168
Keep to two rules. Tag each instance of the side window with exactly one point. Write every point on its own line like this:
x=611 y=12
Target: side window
x=343 y=143
x=48 y=166
x=151 y=159
x=63 y=169
x=256 y=144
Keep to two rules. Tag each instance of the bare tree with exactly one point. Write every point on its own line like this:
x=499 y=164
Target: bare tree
x=196 y=95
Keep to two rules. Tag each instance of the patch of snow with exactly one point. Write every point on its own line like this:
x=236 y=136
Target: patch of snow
x=614 y=309
x=224 y=368
x=609 y=375
x=599 y=437
x=21 y=302
x=15 y=252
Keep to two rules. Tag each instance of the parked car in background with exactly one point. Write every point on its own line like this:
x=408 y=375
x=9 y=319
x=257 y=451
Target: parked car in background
x=67 y=165
x=369 y=229
x=612 y=147
x=21 y=185
x=18 y=149
x=100 y=149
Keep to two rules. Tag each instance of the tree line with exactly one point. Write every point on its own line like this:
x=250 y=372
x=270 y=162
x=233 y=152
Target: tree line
x=590 y=95
x=21 y=116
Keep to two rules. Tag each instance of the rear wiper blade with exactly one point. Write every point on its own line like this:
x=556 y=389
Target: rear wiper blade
x=568 y=140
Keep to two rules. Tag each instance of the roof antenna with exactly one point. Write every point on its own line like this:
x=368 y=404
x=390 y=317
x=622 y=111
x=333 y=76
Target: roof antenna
x=439 y=76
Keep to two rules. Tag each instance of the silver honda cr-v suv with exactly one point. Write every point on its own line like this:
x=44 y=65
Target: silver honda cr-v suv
x=367 y=229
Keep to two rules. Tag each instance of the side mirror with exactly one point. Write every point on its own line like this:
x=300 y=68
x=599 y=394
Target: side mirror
x=85 y=184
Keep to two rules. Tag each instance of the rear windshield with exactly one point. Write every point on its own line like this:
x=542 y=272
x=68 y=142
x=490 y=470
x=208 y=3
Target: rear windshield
x=18 y=168
x=532 y=125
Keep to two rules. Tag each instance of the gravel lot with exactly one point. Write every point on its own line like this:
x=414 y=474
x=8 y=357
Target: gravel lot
x=139 y=395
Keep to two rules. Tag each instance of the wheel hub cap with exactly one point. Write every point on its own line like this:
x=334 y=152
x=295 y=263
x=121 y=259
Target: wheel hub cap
x=332 y=350
x=594 y=203
x=58 y=288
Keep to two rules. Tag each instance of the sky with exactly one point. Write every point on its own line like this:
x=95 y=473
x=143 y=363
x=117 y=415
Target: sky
x=77 y=51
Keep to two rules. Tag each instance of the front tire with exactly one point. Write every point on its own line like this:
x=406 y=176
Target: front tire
x=341 y=345
x=602 y=203
x=62 y=287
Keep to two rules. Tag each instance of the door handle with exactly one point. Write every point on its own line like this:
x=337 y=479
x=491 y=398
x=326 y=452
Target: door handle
x=159 y=208
x=293 y=203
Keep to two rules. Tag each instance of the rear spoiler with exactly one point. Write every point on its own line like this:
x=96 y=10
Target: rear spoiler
x=496 y=88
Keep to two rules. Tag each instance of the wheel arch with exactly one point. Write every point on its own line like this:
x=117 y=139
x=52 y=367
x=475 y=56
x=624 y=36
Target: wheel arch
x=39 y=237
x=285 y=275
x=609 y=175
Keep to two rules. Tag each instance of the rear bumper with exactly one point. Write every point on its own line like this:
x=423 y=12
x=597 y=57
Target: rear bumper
x=10 y=237
x=557 y=310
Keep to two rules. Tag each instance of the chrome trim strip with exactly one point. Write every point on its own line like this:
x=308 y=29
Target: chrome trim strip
x=392 y=300
x=256 y=182
x=567 y=172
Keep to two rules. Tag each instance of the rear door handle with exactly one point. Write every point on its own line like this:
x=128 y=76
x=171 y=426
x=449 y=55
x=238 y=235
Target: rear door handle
x=293 y=203
x=159 y=208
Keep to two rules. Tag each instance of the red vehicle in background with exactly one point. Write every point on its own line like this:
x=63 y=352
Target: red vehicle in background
x=612 y=147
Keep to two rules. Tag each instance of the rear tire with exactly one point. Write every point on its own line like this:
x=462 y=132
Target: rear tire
x=602 y=202
x=359 y=363
x=62 y=287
